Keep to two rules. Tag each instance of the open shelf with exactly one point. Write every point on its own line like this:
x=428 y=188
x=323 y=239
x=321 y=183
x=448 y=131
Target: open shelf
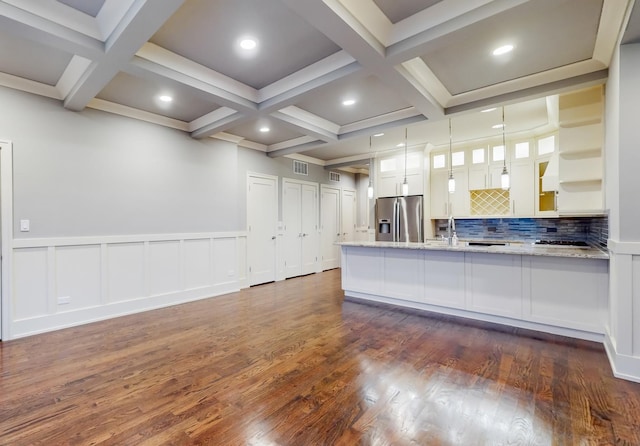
x=582 y=153
x=582 y=181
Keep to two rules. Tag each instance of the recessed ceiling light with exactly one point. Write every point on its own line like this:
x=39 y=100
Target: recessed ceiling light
x=165 y=98
x=497 y=126
x=264 y=129
x=378 y=135
x=348 y=102
x=502 y=50
x=487 y=110
x=248 y=44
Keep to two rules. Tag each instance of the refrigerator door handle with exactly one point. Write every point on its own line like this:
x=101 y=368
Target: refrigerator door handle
x=395 y=220
x=419 y=222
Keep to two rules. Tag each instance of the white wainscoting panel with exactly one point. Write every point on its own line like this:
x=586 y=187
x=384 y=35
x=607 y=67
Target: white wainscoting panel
x=197 y=263
x=103 y=277
x=125 y=271
x=30 y=296
x=164 y=267
x=241 y=250
x=569 y=292
x=494 y=284
x=77 y=277
x=225 y=263
x=444 y=279
x=402 y=274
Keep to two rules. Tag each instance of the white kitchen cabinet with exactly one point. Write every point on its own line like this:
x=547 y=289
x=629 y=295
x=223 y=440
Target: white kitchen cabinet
x=402 y=274
x=522 y=191
x=567 y=292
x=485 y=177
x=439 y=194
x=444 y=281
x=391 y=174
x=459 y=203
x=494 y=284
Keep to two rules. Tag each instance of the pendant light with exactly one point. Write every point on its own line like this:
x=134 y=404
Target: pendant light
x=504 y=178
x=452 y=181
x=405 y=185
x=371 y=169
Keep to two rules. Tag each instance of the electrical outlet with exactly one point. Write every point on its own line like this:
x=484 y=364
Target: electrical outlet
x=64 y=300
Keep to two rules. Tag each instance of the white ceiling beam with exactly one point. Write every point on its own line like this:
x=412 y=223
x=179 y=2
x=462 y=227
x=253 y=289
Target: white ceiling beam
x=170 y=61
x=413 y=45
x=294 y=149
x=217 y=115
x=220 y=125
x=150 y=70
x=140 y=22
x=141 y=115
x=308 y=75
x=308 y=123
x=376 y=122
x=378 y=128
x=291 y=143
x=26 y=25
x=336 y=22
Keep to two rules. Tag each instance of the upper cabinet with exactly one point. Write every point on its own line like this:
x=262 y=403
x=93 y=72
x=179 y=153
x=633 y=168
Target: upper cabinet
x=391 y=173
x=477 y=172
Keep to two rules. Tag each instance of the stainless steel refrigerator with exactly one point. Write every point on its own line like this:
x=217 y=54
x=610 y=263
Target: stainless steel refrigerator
x=399 y=219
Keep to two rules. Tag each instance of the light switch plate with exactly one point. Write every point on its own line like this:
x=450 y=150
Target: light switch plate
x=24 y=225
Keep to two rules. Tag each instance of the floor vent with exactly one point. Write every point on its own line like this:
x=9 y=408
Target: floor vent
x=334 y=176
x=300 y=167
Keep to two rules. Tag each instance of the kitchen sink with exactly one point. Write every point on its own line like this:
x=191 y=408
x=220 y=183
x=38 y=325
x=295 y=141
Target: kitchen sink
x=487 y=243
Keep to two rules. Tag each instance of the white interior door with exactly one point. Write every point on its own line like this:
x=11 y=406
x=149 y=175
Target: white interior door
x=330 y=227
x=348 y=215
x=292 y=221
x=309 y=221
x=262 y=220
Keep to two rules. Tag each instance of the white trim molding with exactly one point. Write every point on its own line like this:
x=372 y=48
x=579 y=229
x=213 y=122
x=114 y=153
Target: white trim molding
x=64 y=282
x=6 y=232
x=622 y=338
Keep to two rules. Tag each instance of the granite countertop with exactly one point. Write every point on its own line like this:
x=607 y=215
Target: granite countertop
x=520 y=248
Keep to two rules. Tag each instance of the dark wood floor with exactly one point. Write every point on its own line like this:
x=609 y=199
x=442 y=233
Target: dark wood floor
x=290 y=363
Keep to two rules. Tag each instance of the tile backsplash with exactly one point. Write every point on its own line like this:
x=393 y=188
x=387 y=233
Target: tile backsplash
x=593 y=230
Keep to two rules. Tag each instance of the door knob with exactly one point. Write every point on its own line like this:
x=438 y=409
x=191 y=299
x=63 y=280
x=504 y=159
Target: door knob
x=273 y=237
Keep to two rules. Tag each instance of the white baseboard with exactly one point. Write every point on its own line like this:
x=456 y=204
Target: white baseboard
x=623 y=366
x=58 y=321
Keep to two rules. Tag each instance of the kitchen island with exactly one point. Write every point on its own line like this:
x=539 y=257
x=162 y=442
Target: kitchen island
x=556 y=290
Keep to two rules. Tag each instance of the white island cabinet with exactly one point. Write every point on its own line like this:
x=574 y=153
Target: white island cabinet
x=555 y=291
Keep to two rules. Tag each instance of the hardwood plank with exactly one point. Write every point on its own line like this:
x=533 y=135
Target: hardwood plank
x=293 y=363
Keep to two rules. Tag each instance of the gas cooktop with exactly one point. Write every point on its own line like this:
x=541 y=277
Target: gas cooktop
x=569 y=243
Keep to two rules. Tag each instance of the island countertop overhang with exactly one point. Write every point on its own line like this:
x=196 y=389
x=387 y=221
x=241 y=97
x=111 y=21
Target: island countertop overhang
x=517 y=248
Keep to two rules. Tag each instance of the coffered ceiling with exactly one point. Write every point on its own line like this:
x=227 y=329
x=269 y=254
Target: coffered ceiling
x=406 y=64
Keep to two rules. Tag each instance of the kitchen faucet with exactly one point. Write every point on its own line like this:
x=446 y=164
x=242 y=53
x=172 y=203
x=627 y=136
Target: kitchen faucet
x=451 y=230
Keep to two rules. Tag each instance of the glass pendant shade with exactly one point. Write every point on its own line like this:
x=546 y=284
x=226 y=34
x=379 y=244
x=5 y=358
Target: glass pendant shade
x=452 y=184
x=405 y=188
x=504 y=179
x=370 y=191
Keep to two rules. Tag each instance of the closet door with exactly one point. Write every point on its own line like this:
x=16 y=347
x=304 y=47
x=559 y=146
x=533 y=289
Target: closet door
x=330 y=226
